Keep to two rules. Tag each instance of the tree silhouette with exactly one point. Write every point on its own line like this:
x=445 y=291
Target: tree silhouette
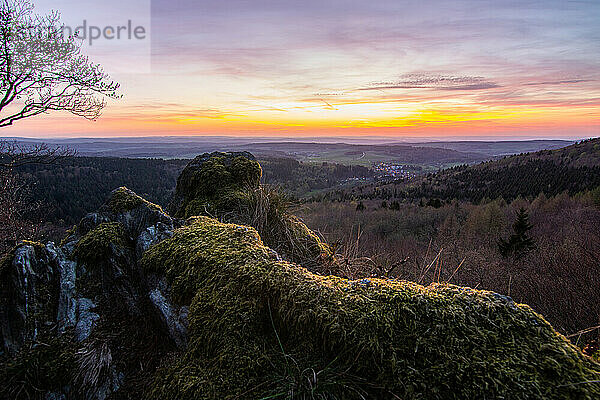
x=519 y=243
x=42 y=69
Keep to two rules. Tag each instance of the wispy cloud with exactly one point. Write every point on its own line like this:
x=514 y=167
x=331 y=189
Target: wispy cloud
x=561 y=82
x=440 y=82
x=169 y=111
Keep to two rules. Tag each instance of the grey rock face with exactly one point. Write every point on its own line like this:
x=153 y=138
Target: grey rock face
x=151 y=235
x=28 y=288
x=67 y=304
x=86 y=319
x=176 y=318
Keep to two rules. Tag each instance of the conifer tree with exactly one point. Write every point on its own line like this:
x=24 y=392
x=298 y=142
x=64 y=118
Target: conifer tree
x=519 y=243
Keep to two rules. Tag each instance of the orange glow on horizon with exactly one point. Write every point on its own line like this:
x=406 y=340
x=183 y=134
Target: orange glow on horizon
x=362 y=119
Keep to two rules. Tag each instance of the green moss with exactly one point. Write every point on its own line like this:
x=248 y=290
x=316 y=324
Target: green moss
x=245 y=171
x=262 y=328
x=70 y=235
x=225 y=204
x=213 y=185
x=47 y=365
x=228 y=188
x=95 y=246
x=305 y=245
x=123 y=200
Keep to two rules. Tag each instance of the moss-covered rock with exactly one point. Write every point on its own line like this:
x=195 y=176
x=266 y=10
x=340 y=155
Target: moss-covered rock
x=123 y=199
x=97 y=245
x=227 y=186
x=143 y=223
x=211 y=182
x=264 y=328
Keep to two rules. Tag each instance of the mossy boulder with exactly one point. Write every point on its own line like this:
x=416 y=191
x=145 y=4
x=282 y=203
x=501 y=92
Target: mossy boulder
x=227 y=186
x=210 y=182
x=142 y=222
x=98 y=245
x=122 y=200
x=77 y=320
x=264 y=328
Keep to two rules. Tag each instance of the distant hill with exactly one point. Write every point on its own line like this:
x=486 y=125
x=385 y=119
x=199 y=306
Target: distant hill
x=499 y=148
x=571 y=169
x=357 y=151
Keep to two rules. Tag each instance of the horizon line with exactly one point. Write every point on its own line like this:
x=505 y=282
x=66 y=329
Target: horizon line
x=411 y=139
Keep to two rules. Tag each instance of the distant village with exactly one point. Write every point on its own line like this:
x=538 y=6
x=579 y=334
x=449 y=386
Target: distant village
x=393 y=170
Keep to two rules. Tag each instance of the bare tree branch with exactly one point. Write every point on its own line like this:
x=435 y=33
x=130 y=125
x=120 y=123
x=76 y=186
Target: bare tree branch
x=42 y=69
x=15 y=154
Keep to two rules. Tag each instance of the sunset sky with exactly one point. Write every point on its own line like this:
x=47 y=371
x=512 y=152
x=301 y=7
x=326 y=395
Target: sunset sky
x=396 y=68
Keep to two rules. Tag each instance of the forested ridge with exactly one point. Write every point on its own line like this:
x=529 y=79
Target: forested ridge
x=75 y=186
x=572 y=169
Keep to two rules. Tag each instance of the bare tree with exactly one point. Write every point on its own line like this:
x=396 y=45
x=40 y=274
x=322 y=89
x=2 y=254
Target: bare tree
x=42 y=69
x=16 y=211
x=14 y=154
x=19 y=213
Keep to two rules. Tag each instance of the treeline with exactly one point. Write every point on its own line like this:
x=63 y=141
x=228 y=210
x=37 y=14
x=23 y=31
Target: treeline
x=69 y=189
x=77 y=185
x=299 y=179
x=572 y=169
x=525 y=179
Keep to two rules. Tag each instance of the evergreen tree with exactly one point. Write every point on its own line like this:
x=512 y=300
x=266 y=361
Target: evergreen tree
x=519 y=243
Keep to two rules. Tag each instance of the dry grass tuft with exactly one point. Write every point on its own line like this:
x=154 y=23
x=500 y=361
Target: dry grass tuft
x=94 y=367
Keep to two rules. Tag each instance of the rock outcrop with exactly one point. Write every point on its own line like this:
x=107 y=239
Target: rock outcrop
x=226 y=186
x=90 y=299
x=137 y=304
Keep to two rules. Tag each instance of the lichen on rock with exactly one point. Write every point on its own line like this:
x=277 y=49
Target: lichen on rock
x=28 y=294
